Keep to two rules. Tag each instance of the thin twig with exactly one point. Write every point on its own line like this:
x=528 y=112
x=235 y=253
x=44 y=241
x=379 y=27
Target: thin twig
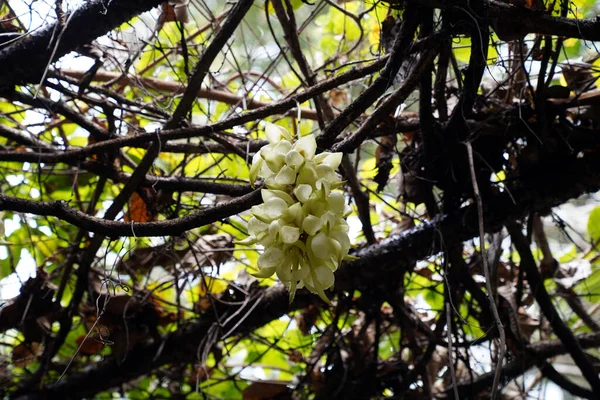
x=487 y=274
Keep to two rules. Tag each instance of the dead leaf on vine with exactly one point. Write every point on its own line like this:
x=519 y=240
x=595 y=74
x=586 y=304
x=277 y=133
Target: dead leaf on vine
x=168 y=14
x=90 y=347
x=199 y=375
x=338 y=98
x=295 y=356
x=308 y=318
x=26 y=353
x=138 y=210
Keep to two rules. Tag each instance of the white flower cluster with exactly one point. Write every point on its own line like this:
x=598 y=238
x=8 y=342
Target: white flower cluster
x=301 y=221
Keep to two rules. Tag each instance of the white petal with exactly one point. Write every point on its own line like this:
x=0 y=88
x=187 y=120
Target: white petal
x=311 y=225
x=269 y=194
x=328 y=219
x=271 y=184
x=326 y=172
x=320 y=246
x=283 y=147
x=337 y=249
x=324 y=277
x=257 y=163
x=255 y=226
x=273 y=159
x=274 y=207
x=264 y=273
x=274 y=228
x=333 y=160
x=314 y=206
x=307 y=175
x=289 y=234
x=307 y=146
x=271 y=258
x=303 y=192
x=343 y=239
x=275 y=133
x=250 y=240
x=336 y=202
x=260 y=214
x=286 y=176
x=294 y=159
x=293 y=214
x=302 y=272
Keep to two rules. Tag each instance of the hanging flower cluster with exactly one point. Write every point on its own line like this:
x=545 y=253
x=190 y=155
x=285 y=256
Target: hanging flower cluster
x=301 y=221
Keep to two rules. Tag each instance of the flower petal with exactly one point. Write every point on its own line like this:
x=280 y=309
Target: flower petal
x=294 y=159
x=336 y=202
x=311 y=225
x=286 y=176
x=273 y=159
x=326 y=172
x=255 y=226
x=307 y=175
x=246 y=242
x=257 y=163
x=303 y=192
x=294 y=214
x=275 y=133
x=274 y=207
x=320 y=246
x=333 y=160
x=274 y=228
x=267 y=194
x=271 y=258
x=289 y=234
x=264 y=273
x=307 y=146
x=324 y=277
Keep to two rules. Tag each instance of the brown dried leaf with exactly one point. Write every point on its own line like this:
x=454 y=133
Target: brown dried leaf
x=92 y=345
x=138 y=210
x=168 y=14
x=26 y=353
x=199 y=375
x=308 y=318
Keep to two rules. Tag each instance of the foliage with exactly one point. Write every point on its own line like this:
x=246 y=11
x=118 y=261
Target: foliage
x=414 y=189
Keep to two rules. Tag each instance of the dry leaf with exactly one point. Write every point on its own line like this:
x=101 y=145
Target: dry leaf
x=168 y=14
x=307 y=318
x=138 y=210
x=26 y=353
x=199 y=375
x=91 y=346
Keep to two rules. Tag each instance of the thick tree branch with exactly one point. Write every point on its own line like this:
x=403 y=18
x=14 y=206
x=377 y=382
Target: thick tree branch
x=391 y=256
x=172 y=227
x=182 y=346
x=25 y=60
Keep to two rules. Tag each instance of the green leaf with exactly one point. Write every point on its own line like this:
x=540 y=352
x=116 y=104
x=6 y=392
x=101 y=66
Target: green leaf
x=593 y=225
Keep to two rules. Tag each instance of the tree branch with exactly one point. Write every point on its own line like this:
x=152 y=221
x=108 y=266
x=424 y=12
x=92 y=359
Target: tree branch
x=542 y=297
x=216 y=46
x=25 y=60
